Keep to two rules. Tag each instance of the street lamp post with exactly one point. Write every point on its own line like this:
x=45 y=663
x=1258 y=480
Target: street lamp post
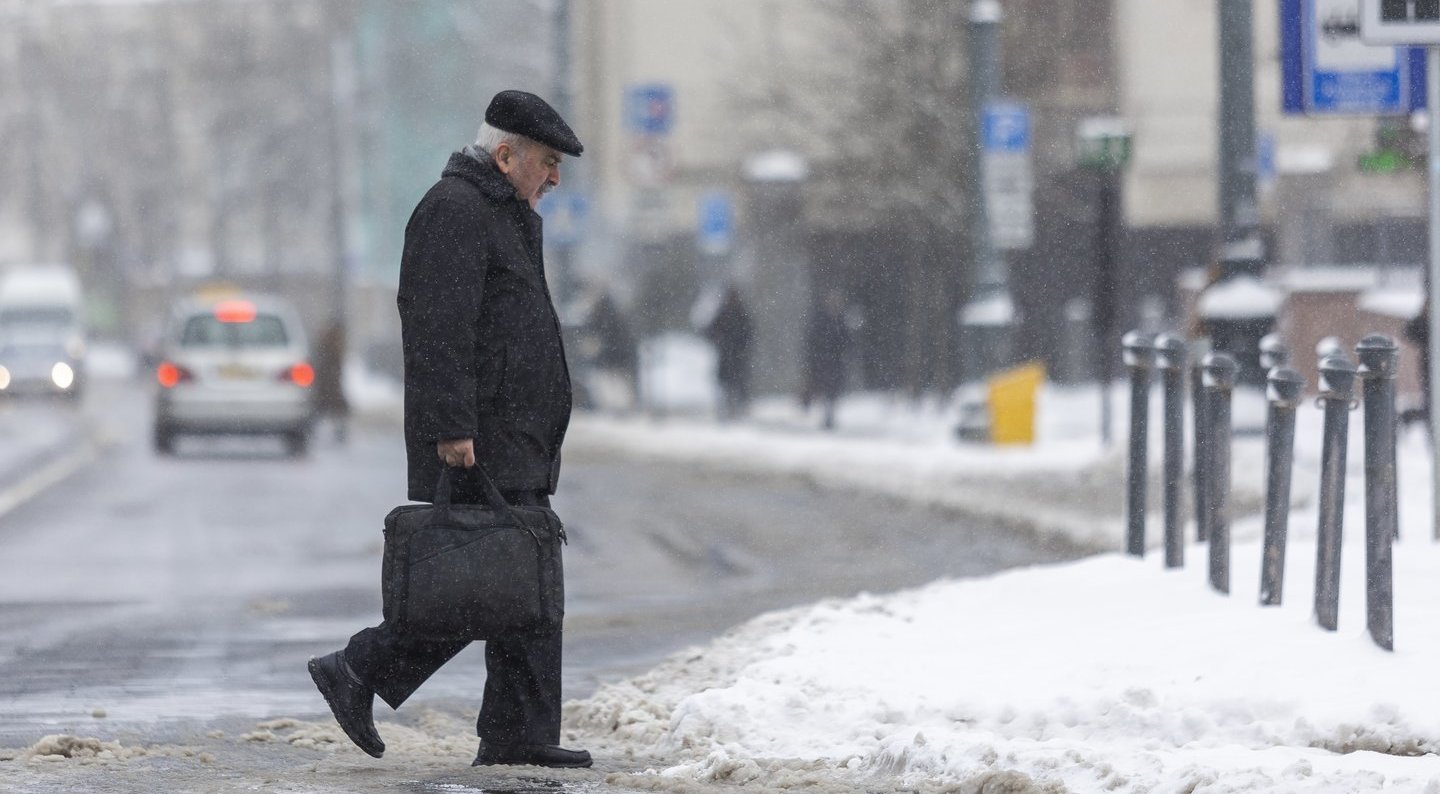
x=1103 y=146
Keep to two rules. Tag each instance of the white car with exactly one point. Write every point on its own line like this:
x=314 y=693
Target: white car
x=39 y=365
x=237 y=365
x=42 y=337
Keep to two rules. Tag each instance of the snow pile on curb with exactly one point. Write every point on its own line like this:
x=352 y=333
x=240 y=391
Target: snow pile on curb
x=90 y=750
x=1106 y=674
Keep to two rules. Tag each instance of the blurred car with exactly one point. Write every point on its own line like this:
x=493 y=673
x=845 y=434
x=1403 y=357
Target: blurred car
x=42 y=335
x=39 y=365
x=238 y=365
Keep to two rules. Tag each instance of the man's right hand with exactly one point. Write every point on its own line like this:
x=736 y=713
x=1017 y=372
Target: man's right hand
x=457 y=452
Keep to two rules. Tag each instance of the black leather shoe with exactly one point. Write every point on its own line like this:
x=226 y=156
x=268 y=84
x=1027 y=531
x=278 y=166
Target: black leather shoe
x=349 y=700
x=531 y=755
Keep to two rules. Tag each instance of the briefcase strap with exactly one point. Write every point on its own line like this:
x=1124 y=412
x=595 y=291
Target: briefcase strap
x=493 y=497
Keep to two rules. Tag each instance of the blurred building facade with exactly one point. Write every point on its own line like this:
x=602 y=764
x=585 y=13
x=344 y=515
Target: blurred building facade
x=851 y=89
x=839 y=133
x=780 y=145
x=272 y=144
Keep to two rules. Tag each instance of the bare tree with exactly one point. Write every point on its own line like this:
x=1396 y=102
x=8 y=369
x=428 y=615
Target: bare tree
x=887 y=125
x=878 y=94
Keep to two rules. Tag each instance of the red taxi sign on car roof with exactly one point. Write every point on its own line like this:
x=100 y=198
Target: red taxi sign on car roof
x=235 y=311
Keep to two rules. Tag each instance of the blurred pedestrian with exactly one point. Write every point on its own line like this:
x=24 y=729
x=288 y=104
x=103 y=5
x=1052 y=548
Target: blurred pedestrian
x=330 y=400
x=486 y=383
x=732 y=332
x=1418 y=332
x=617 y=351
x=827 y=354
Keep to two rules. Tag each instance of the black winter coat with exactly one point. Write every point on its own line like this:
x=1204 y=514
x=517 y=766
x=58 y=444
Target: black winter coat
x=483 y=356
x=827 y=347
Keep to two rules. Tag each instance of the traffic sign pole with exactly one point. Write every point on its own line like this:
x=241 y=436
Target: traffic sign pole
x=987 y=318
x=1432 y=89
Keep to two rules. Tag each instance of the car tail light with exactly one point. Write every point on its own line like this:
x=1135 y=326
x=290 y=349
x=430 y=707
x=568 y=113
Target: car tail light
x=235 y=311
x=170 y=375
x=300 y=374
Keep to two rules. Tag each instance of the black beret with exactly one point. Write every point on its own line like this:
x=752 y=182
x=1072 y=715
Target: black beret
x=526 y=114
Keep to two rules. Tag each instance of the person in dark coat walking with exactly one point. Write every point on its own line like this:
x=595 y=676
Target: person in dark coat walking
x=732 y=332
x=485 y=383
x=616 y=344
x=330 y=399
x=827 y=350
x=1417 y=330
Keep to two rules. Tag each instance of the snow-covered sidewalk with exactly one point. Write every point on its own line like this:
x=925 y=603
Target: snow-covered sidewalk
x=1106 y=674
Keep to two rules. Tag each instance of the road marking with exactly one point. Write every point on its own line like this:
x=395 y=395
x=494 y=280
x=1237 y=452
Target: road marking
x=46 y=476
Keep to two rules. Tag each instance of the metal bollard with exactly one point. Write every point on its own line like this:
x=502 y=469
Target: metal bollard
x=1218 y=379
x=1273 y=352
x=1337 y=393
x=1283 y=389
x=1379 y=358
x=1139 y=356
x=1170 y=360
x=1200 y=407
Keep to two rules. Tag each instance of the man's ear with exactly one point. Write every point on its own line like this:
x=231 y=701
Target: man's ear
x=504 y=157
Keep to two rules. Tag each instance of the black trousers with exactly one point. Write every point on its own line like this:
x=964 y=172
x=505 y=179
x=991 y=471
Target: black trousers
x=521 y=704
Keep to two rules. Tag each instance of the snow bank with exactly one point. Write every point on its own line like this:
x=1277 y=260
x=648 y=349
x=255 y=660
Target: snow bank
x=1107 y=674
x=90 y=750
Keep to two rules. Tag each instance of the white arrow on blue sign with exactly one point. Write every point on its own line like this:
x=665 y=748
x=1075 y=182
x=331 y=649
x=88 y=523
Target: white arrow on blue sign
x=1006 y=127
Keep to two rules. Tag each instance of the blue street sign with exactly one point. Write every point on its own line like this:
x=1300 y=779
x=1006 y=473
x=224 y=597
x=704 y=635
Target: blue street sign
x=1265 y=172
x=716 y=223
x=565 y=217
x=650 y=108
x=1328 y=70
x=1006 y=127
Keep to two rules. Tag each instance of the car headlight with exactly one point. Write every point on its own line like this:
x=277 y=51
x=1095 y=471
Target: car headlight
x=62 y=375
x=4 y=378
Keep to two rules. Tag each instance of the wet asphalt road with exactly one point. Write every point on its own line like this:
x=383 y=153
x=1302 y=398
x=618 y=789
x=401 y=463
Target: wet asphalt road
x=161 y=600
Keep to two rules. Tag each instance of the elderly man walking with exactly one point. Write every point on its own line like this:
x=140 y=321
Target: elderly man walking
x=485 y=383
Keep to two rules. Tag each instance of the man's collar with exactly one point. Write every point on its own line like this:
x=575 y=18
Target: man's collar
x=482 y=173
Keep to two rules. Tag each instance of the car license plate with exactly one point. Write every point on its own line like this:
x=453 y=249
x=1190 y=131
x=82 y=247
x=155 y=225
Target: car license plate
x=235 y=372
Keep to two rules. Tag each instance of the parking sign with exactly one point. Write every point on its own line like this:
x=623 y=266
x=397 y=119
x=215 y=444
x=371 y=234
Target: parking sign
x=1006 y=175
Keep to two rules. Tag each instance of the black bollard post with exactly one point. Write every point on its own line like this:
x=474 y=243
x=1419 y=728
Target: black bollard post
x=1284 y=387
x=1218 y=378
x=1200 y=406
x=1170 y=360
x=1337 y=392
x=1139 y=355
x=1273 y=352
x=1379 y=359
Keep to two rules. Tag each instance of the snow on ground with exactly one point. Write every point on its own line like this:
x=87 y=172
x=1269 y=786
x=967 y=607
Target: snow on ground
x=1111 y=673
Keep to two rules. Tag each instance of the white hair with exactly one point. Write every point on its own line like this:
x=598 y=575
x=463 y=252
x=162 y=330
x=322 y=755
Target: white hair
x=489 y=138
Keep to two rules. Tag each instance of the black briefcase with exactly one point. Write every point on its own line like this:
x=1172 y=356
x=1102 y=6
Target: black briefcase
x=473 y=572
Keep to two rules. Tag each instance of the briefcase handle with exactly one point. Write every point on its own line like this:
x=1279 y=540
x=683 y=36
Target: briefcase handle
x=492 y=494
